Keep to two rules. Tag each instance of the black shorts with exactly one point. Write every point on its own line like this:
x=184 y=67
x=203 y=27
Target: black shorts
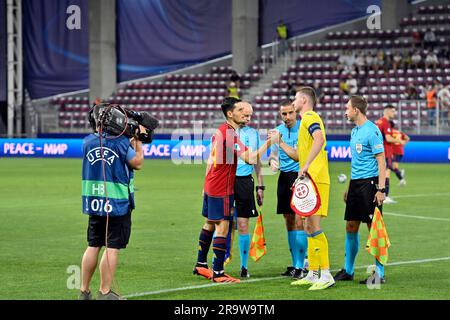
x=284 y=192
x=244 y=197
x=119 y=230
x=360 y=205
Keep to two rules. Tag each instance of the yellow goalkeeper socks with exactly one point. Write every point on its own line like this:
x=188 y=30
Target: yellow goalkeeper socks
x=319 y=248
x=313 y=258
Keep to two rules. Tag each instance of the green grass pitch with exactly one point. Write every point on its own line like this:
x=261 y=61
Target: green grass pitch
x=43 y=233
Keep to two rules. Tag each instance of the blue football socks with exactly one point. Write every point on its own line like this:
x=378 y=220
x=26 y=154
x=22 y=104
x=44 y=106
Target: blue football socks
x=351 y=250
x=244 y=248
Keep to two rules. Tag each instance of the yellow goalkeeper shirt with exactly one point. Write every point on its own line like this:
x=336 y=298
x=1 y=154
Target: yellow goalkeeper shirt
x=318 y=169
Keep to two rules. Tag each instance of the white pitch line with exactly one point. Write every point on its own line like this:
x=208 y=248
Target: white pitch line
x=421 y=195
x=208 y=285
x=414 y=217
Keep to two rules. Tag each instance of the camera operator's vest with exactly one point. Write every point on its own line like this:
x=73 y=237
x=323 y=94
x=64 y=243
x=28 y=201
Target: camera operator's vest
x=116 y=196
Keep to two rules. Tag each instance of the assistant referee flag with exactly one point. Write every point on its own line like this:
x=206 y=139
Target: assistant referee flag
x=258 y=244
x=378 y=241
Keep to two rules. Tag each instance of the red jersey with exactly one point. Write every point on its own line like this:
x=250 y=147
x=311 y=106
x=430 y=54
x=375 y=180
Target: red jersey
x=225 y=148
x=386 y=128
x=398 y=148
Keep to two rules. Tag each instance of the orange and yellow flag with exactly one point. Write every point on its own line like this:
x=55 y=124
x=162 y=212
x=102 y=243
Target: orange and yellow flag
x=258 y=243
x=378 y=241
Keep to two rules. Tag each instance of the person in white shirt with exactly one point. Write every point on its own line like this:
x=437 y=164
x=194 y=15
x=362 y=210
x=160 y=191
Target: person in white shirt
x=352 y=85
x=397 y=61
x=370 y=59
x=431 y=60
x=416 y=60
x=429 y=39
x=444 y=104
x=360 y=63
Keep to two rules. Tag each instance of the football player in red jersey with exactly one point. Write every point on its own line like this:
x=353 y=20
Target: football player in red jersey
x=398 y=150
x=385 y=126
x=218 y=195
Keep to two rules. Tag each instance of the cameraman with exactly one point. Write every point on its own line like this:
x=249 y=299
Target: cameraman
x=108 y=199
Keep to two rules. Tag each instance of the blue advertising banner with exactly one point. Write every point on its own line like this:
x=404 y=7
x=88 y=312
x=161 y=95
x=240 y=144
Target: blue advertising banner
x=415 y=151
x=72 y=148
x=186 y=150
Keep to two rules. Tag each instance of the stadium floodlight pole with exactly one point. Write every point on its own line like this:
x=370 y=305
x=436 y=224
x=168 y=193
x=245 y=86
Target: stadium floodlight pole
x=15 y=71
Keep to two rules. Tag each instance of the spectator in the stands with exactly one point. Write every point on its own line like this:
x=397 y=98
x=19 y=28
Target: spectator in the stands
x=431 y=60
x=343 y=85
x=443 y=54
x=431 y=94
x=411 y=92
x=360 y=63
x=299 y=83
x=387 y=62
x=351 y=61
x=352 y=84
x=397 y=61
x=291 y=89
x=339 y=65
x=233 y=90
x=346 y=61
x=370 y=59
x=282 y=34
x=236 y=78
x=416 y=60
x=429 y=39
x=378 y=63
x=319 y=91
x=416 y=39
x=446 y=54
x=407 y=60
x=234 y=84
x=444 y=104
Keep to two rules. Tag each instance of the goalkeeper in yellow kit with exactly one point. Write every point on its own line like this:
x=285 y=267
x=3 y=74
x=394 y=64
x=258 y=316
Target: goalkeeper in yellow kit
x=313 y=159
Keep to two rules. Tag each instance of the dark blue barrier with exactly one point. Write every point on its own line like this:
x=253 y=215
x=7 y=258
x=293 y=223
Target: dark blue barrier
x=339 y=150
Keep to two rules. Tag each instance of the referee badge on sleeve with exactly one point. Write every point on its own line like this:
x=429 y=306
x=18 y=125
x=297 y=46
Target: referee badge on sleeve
x=359 y=147
x=305 y=200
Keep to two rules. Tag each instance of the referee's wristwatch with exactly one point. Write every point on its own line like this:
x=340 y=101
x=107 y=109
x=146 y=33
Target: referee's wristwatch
x=260 y=188
x=382 y=190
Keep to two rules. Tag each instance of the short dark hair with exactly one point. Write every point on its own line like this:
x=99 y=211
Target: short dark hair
x=389 y=106
x=228 y=104
x=359 y=102
x=286 y=102
x=310 y=92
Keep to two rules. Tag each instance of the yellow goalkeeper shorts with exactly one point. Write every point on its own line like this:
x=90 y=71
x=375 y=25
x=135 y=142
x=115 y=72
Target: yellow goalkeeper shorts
x=324 y=192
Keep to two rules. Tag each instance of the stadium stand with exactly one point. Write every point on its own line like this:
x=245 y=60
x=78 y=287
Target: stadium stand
x=180 y=99
x=318 y=62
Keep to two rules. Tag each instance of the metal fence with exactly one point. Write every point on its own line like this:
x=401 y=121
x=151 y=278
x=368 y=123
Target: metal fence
x=414 y=117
